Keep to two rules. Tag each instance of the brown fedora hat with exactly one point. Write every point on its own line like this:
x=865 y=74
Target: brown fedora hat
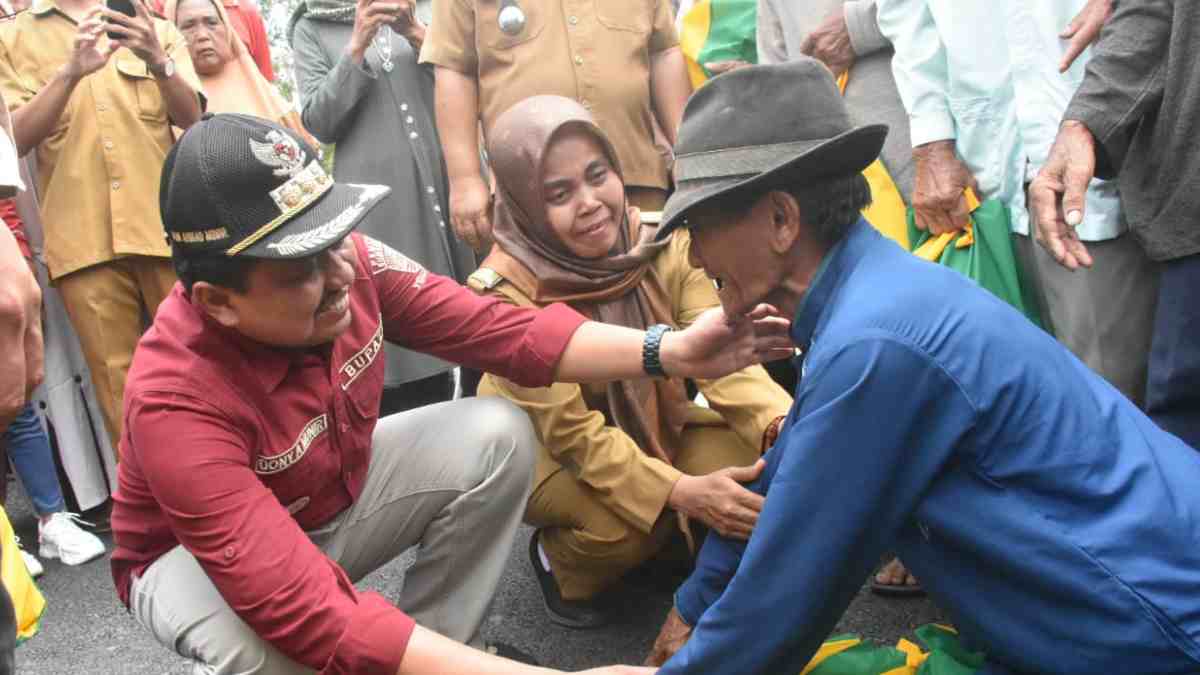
x=764 y=126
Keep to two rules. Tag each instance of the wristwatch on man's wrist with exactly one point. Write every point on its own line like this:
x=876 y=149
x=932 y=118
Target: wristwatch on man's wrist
x=651 y=350
x=164 y=70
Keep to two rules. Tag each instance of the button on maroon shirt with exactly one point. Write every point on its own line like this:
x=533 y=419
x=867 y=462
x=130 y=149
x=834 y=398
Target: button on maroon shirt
x=223 y=435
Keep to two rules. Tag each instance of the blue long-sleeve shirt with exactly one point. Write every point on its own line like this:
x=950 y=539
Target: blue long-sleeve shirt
x=1058 y=524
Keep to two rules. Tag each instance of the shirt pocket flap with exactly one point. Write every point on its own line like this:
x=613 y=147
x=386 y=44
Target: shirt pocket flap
x=132 y=66
x=634 y=16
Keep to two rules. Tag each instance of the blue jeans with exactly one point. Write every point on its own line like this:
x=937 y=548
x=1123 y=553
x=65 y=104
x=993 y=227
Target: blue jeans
x=29 y=450
x=1173 y=375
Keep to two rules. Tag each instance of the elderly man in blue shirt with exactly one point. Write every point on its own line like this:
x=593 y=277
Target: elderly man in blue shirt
x=1057 y=524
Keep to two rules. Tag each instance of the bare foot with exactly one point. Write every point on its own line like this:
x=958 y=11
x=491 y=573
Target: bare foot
x=894 y=577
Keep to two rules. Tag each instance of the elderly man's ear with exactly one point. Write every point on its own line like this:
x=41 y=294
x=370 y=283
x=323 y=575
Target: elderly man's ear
x=785 y=220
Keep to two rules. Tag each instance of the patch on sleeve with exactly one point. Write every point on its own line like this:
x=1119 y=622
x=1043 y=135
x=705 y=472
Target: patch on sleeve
x=384 y=258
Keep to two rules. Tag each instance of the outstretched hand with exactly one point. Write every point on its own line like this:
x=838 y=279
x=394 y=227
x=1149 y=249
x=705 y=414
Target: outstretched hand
x=716 y=345
x=1058 y=194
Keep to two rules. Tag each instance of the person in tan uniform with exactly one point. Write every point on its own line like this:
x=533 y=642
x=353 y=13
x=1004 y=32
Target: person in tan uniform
x=98 y=112
x=620 y=59
x=621 y=467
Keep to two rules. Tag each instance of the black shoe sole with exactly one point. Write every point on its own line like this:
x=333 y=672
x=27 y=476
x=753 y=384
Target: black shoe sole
x=546 y=579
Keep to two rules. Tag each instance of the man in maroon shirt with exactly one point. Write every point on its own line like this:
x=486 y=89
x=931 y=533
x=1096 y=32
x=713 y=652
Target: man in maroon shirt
x=256 y=484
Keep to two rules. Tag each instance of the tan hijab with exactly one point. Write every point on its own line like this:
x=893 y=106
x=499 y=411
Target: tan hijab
x=621 y=288
x=240 y=86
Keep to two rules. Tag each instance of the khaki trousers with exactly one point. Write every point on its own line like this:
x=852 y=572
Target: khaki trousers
x=109 y=306
x=588 y=544
x=451 y=477
x=1104 y=315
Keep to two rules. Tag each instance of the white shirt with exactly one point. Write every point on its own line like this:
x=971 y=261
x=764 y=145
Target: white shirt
x=984 y=73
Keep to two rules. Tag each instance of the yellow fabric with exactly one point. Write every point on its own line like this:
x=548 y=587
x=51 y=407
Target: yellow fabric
x=932 y=249
x=827 y=650
x=596 y=53
x=692 y=34
x=590 y=546
x=27 y=600
x=887 y=212
x=98 y=170
x=571 y=426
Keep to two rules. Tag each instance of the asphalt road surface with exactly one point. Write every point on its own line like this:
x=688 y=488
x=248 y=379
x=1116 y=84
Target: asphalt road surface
x=86 y=631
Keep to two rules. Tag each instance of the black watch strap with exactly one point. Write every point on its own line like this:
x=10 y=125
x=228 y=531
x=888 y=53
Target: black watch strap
x=651 y=348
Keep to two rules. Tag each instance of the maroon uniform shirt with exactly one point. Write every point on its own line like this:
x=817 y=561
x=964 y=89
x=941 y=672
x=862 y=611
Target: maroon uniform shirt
x=233 y=449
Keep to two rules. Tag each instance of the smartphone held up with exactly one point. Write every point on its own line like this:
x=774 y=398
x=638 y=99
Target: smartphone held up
x=123 y=6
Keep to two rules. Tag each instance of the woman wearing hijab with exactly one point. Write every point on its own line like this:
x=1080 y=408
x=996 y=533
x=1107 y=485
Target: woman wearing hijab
x=361 y=88
x=623 y=466
x=229 y=76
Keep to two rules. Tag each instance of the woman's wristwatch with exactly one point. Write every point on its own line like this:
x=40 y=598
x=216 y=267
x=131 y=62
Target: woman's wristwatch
x=651 y=348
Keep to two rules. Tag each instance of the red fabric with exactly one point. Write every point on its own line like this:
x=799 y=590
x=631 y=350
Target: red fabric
x=8 y=213
x=248 y=23
x=221 y=434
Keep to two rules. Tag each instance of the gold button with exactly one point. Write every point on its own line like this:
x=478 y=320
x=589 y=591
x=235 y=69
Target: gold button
x=116 y=185
x=101 y=107
x=108 y=145
x=573 y=20
x=579 y=60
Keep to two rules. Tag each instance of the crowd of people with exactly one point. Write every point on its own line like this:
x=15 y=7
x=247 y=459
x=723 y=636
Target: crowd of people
x=505 y=261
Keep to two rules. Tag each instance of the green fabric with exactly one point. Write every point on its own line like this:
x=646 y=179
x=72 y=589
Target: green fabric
x=731 y=33
x=990 y=261
x=946 y=656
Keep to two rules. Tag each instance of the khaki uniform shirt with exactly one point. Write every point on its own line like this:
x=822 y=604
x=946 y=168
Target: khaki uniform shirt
x=594 y=51
x=98 y=170
x=576 y=436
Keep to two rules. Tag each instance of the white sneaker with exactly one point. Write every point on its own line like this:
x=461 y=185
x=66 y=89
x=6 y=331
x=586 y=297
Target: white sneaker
x=61 y=538
x=31 y=563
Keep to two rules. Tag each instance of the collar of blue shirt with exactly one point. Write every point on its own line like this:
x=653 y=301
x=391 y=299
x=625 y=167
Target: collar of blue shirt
x=833 y=268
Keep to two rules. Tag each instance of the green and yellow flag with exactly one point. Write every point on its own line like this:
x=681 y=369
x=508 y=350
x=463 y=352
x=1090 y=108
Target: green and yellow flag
x=716 y=30
x=849 y=655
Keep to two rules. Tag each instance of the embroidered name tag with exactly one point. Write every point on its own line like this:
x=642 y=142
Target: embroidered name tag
x=269 y=464
x=363 y=359
x=384 y=258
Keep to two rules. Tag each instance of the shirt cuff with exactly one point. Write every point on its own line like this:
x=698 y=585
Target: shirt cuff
x=545 y=341
x=861 y=24
x=374 y=640
x=689 y=602
x=930 y=126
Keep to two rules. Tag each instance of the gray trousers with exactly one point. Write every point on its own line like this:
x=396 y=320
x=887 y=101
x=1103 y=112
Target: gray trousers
x=1104 y=315
x=452 y=478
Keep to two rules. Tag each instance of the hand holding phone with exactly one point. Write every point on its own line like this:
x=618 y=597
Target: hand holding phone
x=123 y=6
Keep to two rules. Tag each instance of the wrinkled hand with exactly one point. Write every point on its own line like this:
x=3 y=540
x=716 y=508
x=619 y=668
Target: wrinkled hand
x=136 y=33
x=671 y=638
x=471 y=212
x=719 y=501
x=1057 y=194
x=1083 y=30
x=829 y=43
x=87 y=53
x=715 y=345
x=938 y=202
x=722 y=67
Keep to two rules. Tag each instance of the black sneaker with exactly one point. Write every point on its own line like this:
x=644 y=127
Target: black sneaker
x=569 y=613
x=510 y=652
